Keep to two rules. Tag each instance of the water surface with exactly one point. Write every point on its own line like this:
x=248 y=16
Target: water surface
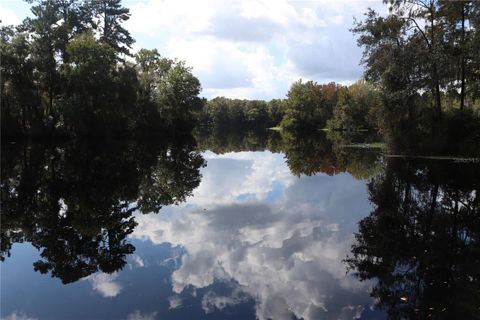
x=254 y=227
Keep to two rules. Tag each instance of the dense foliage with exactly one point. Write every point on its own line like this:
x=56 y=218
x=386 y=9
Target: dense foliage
x=68 y=71
x=308 y=106
x=224 y=113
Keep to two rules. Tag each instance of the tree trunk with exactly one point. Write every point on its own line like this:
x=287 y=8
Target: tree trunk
x=435 y=78
x=438 y=102
x=105 y=21
x=24 y=127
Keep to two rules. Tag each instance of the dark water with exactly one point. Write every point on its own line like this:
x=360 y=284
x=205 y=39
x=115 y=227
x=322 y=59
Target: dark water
x=236 y=227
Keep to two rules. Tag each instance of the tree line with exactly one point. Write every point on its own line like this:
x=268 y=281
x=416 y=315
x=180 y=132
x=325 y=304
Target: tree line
x=308 y=105
x=68 y=70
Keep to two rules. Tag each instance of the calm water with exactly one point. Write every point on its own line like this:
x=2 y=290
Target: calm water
x=235 y=227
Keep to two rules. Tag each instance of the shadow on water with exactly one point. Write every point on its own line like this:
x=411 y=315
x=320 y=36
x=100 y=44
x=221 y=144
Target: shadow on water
x=74 y=201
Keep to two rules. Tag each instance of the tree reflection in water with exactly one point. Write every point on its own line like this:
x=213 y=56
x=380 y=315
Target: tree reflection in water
x=74 y=202
x=421 y=243
x=422 y=240
x=305 y=154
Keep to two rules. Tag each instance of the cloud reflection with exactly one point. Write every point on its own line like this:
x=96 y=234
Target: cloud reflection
x=211 y=301
x=285 y=254
x=137 y=315
x=105 y=284
x=18 y=316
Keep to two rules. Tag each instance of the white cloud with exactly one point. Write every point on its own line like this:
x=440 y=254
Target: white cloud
x=8 y=17
x=254 y=48
x=105 y=284
x=285 y=253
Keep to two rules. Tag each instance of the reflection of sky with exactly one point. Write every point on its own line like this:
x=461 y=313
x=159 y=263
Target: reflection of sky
x=281 y=239
x=252 y=241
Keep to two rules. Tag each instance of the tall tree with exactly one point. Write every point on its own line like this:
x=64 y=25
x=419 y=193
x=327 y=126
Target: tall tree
x=151 y=68
x=410 y=37
x=18 y=94
x=108 y=16
x=177 y=95
x=45 y=28
x=474 y=71
x=309 y=105
x=456 y=15
x=90 y=84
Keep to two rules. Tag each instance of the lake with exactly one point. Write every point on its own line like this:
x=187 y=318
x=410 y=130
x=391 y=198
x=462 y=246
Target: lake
x=236 y=226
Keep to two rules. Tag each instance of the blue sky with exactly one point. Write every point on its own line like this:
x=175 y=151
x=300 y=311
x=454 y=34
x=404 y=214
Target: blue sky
x=246 y=49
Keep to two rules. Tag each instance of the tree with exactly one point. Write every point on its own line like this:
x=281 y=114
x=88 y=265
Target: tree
x=309 y=105
x=256 y=113
x=357 y=107
x=45 y=30
x=108 y=16
x=431 y=34
x=18 y=95
x=72 y=18
x=64 y=75
x=456 y=15
x=89 y=76
x=474 y=70
x=177 y=95
x=431 y=46
x=276 y=111
x=151 y=68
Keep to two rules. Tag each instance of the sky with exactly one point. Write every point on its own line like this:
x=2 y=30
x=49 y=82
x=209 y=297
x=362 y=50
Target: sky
x=251 y=49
